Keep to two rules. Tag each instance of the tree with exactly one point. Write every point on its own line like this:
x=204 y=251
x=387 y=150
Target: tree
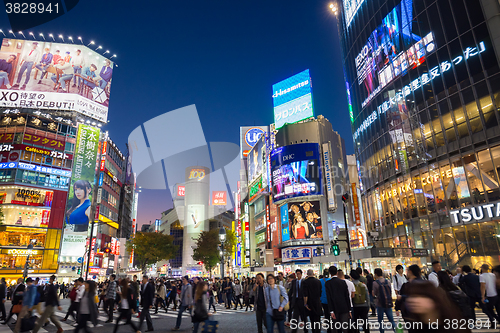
x=207 y=250
x=151 y=247
x=230 y=243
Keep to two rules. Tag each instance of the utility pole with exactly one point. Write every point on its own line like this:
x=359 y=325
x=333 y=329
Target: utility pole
x=345 y=200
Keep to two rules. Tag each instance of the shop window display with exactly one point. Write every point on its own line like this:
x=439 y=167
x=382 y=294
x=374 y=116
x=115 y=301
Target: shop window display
x=489 y=236
x=474 y=177
x=12 y=261
x=16 y=236
x=474 y=240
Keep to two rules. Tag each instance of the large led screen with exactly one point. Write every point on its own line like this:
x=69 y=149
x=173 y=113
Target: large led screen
x=56 y=76
x=305 y=220
x=292 y=99
x=296 y=171
x=76 y=220
x=391 y=49
x=256 y=161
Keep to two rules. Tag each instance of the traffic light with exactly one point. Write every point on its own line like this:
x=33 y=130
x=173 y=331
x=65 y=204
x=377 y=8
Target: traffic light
x=345 y=197
x=79 y=271
x=200 y=262
x=335 y=249
x=107 y=250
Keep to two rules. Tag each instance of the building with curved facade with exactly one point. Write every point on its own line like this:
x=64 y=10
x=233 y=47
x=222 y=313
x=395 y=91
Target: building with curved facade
x=423 y=83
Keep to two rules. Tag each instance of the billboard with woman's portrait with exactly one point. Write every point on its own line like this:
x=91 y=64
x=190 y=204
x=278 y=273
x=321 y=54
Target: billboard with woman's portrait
x=305 y=220
x=78 y=205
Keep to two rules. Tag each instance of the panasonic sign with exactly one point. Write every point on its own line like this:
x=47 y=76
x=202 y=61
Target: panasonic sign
x=482 y=213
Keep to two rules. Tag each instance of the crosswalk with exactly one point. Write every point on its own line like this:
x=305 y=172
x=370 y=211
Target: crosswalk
x=482 y=320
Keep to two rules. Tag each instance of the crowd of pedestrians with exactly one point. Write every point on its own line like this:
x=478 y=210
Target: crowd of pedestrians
x=334 y=301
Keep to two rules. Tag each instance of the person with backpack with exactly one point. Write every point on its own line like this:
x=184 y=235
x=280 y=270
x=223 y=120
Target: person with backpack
x=383 y=298
x=360 y=302
x=469 y=283
x=51 y=302
x=398 y=279
x=456 y=296
x=28 y=302
x=75 y=295
x=312 y=301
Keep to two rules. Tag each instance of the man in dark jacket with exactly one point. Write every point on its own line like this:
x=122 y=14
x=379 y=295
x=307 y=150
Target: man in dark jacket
x=3 y=296
x=51 y=301
x=147 y=297
x=312 y=300
x=469 y=283
x=296 y=296
x=369 y=285
x=17 y=297
x=339 y=301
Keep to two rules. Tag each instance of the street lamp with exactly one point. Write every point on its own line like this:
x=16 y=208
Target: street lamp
x=222 y=238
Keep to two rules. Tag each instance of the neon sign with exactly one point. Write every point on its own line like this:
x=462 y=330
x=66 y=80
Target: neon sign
x=417 y=83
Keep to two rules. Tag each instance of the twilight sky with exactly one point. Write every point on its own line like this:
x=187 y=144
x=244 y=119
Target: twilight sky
x=224 y=56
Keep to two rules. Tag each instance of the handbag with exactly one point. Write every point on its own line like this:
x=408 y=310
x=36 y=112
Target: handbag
x=210 y=326
x=17 y=308
x=277 y=314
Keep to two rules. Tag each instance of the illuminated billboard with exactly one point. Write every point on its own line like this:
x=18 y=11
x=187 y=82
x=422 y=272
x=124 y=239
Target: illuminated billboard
x=79 y=201
x=219 y=198
x=295 y=171
x=391 y=50
x=55 y=76
x=292 y=99
x=256 y=160
x=249 y=135
x=305 y=220
x=350 y=9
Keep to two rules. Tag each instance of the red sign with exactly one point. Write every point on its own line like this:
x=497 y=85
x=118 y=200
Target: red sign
x=117 y=247
x=17 y=202
x=39 y=140
x=104 y=148
x=181 y=191
x=356 y=204
x=94 y=270
x=45 y=217
x=97 y=212
x=6 y=137
x=48 y=199
x=14 y=156
x=219 y=198
x=113 y=246
x=46 y=152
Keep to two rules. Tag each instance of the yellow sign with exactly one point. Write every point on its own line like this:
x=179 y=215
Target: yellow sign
x=197 y=174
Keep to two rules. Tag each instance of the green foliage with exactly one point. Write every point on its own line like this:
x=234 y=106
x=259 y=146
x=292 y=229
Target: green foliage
x=151 y=247
x=230 y=243
x=207 y=249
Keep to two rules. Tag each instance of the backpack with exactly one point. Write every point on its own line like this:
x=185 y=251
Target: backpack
x=360 y=296
x=384 y=294
x=462 y=301
x=72 y=294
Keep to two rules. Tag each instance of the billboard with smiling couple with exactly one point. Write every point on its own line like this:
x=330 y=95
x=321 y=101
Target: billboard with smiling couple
x=78 y=205
x=56 y=76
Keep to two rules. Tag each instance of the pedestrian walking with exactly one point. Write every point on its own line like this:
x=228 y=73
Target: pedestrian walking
x=88 y=307
x=160 y=295
x=276 y=299
x=237 y=294
x=51 y=302
x=172 y=298
x=431 y=310
x=147 y=298
x=260 y=302
x=128 y=305
x=247 y=290
x=28 y=303
x=211 y=299
x=489 y=295
x=200 y=312
x=338 y=297
x=297 y=300
x=3 y=296
x=110 y=297
x=360 y=302
x=323 y=298
x=312 y=300
x=398 y=279
x=436 y=267
x=228 y=290
x=186 y=300
x=383 y=299
x=17 y=297
x=369 y=285
x=288 y=286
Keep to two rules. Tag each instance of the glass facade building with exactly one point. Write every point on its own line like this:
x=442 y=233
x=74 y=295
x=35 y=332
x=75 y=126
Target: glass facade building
x=423 y=83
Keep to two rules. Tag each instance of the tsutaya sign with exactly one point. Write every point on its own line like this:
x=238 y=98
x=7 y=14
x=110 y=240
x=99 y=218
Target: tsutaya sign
x=482 y=213
x=425 y=78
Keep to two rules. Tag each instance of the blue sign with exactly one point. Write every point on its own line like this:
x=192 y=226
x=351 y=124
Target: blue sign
x=101 y=176
x=80 y=260
x=39 y=168
x=285 y=229
x=253 y=135
x=238 y=255
x=295 y=171
x=292 y=88
x=10 y=165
